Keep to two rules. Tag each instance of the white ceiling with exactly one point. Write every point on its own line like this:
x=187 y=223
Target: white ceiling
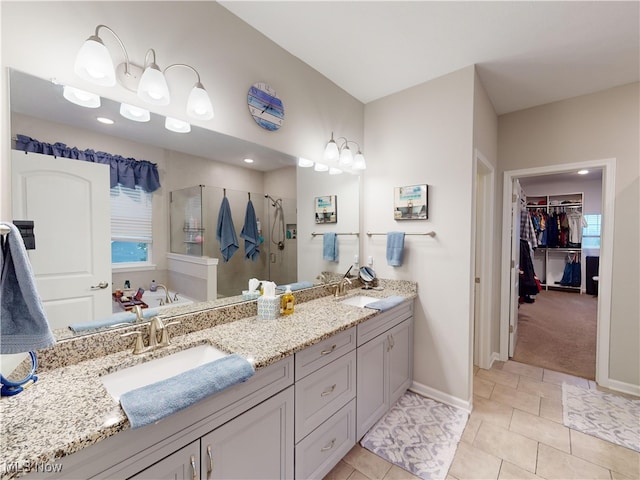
x=528 y=52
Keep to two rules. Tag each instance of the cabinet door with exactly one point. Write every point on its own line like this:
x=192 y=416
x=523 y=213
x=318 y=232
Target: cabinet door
x=400 y=353
x=372 y=391
x=257 y=444
x=181 y=465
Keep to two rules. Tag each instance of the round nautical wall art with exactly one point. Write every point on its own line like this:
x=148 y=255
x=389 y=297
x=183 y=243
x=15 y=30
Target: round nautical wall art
x=265 y=106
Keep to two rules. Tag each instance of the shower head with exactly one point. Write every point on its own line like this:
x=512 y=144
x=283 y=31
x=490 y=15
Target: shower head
x=273 y=201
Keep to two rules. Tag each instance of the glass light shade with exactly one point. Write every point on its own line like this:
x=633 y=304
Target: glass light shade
x=331 y=151
x=93 y=63
x=321 y=167
x=134 y=113
x=153 y=86
x=334 y=171
x=199 y=104
x=176 y=125
x=305 y=163
x=359 y=162
x=346 y=157
x=80 y=97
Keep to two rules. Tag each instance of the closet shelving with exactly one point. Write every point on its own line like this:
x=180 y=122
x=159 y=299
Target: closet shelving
x=549 y=261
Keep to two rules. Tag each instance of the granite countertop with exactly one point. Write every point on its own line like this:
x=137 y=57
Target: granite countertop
x=69 y=409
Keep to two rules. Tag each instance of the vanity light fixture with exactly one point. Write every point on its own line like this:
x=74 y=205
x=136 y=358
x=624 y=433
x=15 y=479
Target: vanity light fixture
x=134 y=113
x=94 y=64
x=321 y=167
x=81 y=97
x=343 y=154
x=177 y=125
x=334 y=171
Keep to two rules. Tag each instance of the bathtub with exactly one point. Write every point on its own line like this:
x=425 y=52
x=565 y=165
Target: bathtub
x=153 y=299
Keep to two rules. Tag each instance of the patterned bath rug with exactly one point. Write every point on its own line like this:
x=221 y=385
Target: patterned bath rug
x=419 y=435
x=607 y=416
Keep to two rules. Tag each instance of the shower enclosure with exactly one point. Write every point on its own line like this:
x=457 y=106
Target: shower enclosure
x=193 y=223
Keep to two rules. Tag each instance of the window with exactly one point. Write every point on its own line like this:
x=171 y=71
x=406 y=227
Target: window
x=591 y=233
x=131 y=234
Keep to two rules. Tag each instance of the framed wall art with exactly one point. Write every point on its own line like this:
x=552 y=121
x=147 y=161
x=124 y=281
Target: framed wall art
x=326 y=209
x=411 y=203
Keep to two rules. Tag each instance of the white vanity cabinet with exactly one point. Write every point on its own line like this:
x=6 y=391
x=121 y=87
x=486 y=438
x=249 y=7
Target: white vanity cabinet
x=325 y=404
x=385 y=364
x=256 y=444
x=181 y=465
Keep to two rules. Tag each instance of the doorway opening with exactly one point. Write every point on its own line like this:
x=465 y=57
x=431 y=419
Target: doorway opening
x=556 y=324
x=603 y=300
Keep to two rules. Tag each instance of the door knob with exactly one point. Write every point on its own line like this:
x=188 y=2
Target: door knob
x=100 y=286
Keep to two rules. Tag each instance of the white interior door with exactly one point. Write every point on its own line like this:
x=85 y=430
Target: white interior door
x=68 y=200
x=517 y=198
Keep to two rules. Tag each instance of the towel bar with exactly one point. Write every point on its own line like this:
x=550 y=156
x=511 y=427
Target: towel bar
x=430 y=234
x=315 y=234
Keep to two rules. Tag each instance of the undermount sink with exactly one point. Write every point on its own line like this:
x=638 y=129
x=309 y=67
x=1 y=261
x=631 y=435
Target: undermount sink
x=127 y=379
x=359 y=300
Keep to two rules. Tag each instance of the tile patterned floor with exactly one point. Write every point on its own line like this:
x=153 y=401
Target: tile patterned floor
x=514 y=432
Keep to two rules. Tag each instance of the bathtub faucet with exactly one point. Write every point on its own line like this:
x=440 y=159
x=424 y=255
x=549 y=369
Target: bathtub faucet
x=167 y=298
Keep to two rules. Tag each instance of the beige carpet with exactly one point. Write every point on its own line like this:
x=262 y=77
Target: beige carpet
x=558 y=332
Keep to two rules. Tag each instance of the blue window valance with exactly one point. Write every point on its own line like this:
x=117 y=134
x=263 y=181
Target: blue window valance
x=128 y=172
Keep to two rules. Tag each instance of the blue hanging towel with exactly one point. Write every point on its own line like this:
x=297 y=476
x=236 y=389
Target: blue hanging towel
x=250 y=234
x=395 y=248
x=23 y=321
x=330 y=247
x=226 y=232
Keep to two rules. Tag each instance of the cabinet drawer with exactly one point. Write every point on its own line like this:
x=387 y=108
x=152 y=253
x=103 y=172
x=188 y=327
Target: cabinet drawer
x=321 y=394
x=384 y=321
x=316 y=356
x=317 y=454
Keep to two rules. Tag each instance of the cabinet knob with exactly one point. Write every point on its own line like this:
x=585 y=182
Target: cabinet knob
x=194 y=472
x=210 y=455
x=327 y=352
x=329 y=446
x=329 y=391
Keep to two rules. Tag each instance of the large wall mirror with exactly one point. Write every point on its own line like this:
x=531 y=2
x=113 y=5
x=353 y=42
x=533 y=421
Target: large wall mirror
x=196 y=171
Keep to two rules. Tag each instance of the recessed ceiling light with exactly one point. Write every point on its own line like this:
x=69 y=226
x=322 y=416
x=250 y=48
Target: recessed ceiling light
x=583 y=172
x=105 y=120
x=248 y=160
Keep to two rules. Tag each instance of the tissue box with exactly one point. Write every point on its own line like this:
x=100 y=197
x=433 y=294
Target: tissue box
x=247 y=295
x=268 y=307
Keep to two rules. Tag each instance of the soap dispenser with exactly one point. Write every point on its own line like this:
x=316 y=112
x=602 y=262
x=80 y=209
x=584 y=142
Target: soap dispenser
x=287 y=301
x=154 y=286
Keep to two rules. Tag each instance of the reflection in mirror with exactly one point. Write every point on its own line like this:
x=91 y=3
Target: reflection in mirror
x=39 y=110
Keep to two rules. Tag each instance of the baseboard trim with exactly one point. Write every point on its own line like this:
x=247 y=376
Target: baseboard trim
x=495 y=356
x=623 y=387
x=439 y=396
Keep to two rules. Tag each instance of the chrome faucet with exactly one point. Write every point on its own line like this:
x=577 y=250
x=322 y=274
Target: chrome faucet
x=341 y=287
x=155 y=325
x=167 y=298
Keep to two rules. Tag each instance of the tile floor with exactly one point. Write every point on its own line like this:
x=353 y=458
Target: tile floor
x=514 y=432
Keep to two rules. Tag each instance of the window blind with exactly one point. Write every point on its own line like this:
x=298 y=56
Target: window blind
x=131 y=214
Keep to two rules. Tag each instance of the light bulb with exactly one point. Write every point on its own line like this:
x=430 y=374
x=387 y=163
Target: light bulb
x=331 y=151
x=153 y=86
x=199 y=104
x=359 y=162
x=93 y=63
x=346 y=157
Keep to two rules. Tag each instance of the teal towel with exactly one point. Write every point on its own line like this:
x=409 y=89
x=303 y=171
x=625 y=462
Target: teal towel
x=250 y=234
x=386 y=303
x=151 y=403
x=330 y=247
x=121 y=317
x=395 y=248
x=226 y=232
x=23 y=321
